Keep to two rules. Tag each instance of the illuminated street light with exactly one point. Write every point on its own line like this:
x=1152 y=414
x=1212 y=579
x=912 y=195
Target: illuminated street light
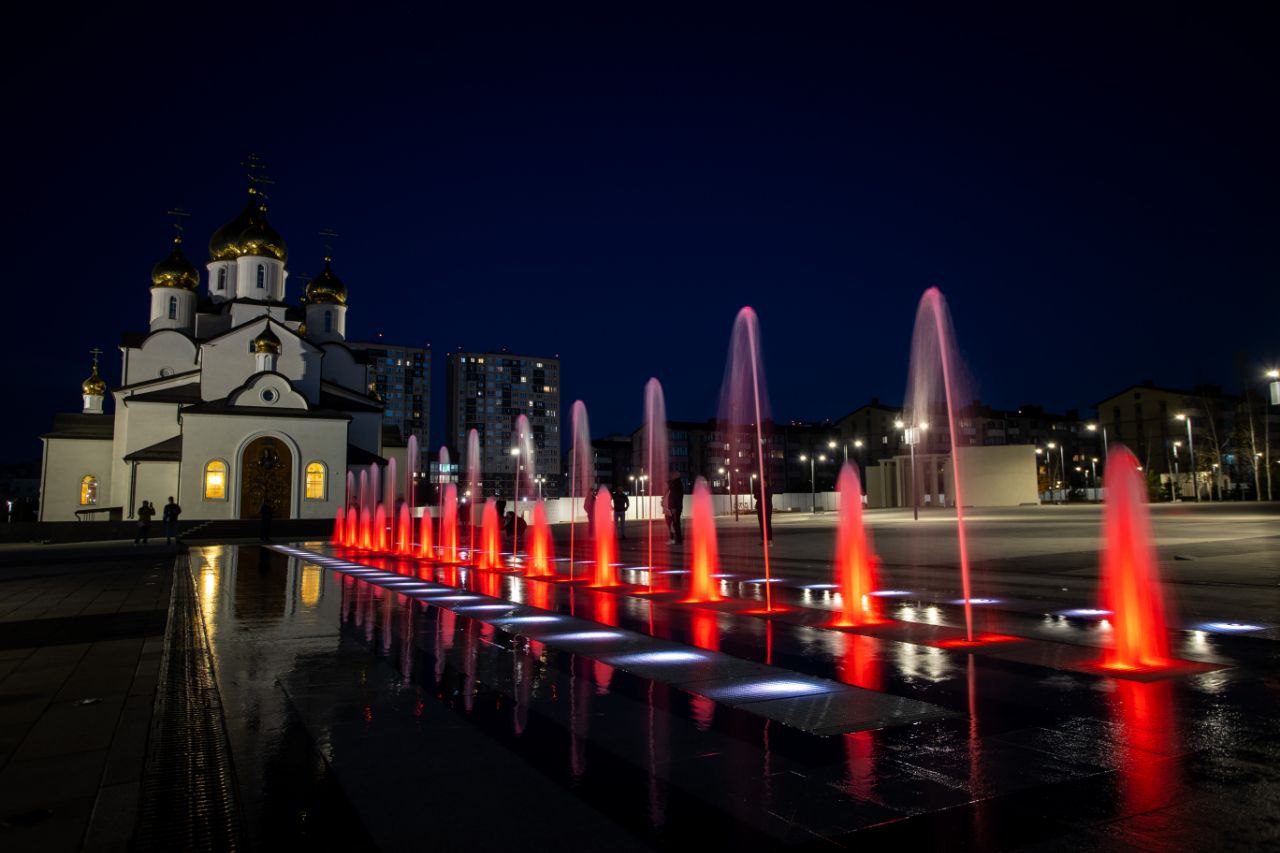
x=1191 y=449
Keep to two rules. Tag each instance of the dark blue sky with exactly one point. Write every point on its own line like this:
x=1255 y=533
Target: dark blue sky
x=1096 y=193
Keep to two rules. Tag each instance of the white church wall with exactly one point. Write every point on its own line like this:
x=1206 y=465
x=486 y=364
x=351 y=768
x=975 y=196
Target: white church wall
x=340 y=368
x=66 y=462
x=268 y=389
x=228 y=361
x=155 y=482
x=162 y=354
x=224 y=437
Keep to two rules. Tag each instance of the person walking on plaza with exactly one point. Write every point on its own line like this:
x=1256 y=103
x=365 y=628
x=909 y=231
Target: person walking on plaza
x=170 y=516
x=765 y=519
x=673 y=508
x=264 y=515
x=145 y=512
x=621 y=503
x=589 y=507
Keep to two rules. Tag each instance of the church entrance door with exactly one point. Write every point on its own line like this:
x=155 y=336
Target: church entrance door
x=266 y=475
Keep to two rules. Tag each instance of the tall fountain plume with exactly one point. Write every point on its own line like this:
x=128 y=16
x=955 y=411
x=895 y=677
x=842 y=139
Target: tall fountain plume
x=937 y=385
x=339 y=522
x=411 y=475
x=525 y=474
x=389 y=488
x=380 y=527
x=581 y=473
x=472 y=495
x=656 y=456
x=375 y=486
x=855 y=563
x=351 y=488
x=606 y=549
x=704 y=561
x=425 y=548
x=366 y=506
x=490 y=538
x=366 y=530
x=352 y=531
x=540 y=544
x=1131 y=587
x=442 y=466
x=744 y=414
x=449 y=523
x=404 y=532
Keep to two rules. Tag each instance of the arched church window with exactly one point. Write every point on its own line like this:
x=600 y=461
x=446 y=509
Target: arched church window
x=262 y=276
x=328 y=321
x=88 y=490
x=173 y=307
x=222 y=279
x=215 y=480
x=315 y=481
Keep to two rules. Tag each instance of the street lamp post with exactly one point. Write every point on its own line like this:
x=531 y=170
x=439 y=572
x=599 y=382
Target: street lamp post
x=1062 y=466
x=1191 y=450
x=1173 y=487
x=1094 y=463
x=911 y=435
x=813 y=487
x=1095 y=428
x=1273 y=379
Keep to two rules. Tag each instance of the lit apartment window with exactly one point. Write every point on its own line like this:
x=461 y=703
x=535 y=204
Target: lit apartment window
x=315 y=481
x=88 y=490
x=215 y=480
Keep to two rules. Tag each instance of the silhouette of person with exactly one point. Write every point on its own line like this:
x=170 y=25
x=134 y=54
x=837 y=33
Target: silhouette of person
x=673 y=508
x=171 y=513
x=145 y=512
x=621 y=503
x=264 y=517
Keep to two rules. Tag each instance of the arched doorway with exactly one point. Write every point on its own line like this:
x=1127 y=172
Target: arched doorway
x=266 y=468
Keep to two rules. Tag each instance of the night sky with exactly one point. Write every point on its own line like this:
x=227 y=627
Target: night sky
x=1096 y=193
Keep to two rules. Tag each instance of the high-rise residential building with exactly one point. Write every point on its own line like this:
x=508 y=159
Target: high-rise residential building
x=401 y=376
x=487 y=391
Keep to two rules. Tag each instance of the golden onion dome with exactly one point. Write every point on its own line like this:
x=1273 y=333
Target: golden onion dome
x=267 y=341
x=326 y=288
x=248 y=234
x=95 y=385
x=175 y=270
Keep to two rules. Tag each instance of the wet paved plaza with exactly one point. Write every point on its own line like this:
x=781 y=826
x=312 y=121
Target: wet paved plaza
x=395 y=703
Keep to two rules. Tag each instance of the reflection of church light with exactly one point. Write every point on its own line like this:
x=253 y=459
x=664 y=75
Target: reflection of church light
x=310 y=585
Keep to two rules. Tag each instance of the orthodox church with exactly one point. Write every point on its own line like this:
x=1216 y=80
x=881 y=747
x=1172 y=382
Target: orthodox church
x=233 y=398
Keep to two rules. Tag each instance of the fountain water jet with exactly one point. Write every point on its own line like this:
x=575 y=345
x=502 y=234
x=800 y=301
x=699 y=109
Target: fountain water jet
x=606 y=549
x=449 y=523
x=855 y=564
x=581 y=465
x=934 y=355
x=490 y=538
x=389 y=488
x=425 y=548
x=380 y=527
x=655 y=419
x=411 y=475
x=366 y=530
x=526 y=459
x=1130 y=573
x=404 y=535
x=338 y=524
x=540 y=544
x=353 y=527
x=472 y=495
x=705 y=554
x=744 y=408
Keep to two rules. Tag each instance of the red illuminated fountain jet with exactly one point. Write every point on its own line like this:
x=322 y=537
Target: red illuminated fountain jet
x=1130 y=574
x=704 y=560
x=855 y=564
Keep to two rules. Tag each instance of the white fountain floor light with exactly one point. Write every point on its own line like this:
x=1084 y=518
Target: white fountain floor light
x=625 y=649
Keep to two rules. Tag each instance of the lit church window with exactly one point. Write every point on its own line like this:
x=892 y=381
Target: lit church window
x=88 y=490
x=215 y=480
x=315 y=481
x=173 y=307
